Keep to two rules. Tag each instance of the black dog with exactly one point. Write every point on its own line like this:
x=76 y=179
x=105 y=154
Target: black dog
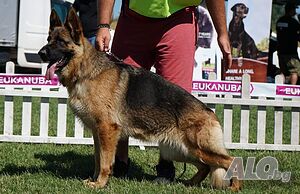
x=239 y=38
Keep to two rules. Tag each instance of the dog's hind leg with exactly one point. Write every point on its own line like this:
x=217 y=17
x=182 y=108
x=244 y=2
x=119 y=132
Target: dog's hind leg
x=105 y=141
x=218 y=163
x=203 y=171
x=181 y=154
x=210 y=150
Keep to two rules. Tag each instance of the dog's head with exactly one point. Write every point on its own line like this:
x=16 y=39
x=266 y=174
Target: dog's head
x=64 y=43
x=240 y=10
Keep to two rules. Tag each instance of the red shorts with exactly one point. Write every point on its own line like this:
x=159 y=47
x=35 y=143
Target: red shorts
x=167 y=44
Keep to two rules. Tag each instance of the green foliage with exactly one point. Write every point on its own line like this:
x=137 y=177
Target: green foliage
x=263 y=45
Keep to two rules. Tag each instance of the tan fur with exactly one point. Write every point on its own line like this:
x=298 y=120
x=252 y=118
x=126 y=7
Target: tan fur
x=97 y=95
x=217 y=175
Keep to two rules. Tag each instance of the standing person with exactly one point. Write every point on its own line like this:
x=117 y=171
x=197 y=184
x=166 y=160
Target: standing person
x=162 y=34
x=288 y=30
x=87 y=11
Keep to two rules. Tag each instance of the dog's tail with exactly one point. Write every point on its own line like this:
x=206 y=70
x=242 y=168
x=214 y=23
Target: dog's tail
x=217 y=173
x=217 y=178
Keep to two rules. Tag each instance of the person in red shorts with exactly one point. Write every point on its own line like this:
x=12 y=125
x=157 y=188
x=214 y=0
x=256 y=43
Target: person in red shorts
x=160 y=34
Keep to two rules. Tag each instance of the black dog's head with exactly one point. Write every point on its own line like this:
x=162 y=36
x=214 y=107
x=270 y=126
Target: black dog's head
x=64 y=43
x=240 y=10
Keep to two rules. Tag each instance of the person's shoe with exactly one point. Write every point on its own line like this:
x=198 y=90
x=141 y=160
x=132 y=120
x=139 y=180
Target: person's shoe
x=165 y=171
x=120 y=168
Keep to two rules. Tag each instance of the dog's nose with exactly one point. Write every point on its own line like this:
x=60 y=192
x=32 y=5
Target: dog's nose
x=43 y=54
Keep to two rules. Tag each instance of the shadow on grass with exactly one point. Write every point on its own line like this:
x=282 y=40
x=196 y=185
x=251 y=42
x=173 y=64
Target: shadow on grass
x=70 y=165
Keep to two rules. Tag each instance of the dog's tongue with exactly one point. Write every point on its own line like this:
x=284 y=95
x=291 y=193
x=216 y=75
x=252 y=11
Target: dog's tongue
x=50 y=71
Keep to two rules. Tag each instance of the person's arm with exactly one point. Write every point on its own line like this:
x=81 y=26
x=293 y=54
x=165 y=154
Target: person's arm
x=105 y=8
x=216 y=9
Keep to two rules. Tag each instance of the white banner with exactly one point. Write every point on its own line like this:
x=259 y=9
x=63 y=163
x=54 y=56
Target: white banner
x=203 y=86
x=256 y=89
x=23 y=80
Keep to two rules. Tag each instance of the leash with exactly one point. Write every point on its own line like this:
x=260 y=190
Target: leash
x=114 y=57
x=184 y=169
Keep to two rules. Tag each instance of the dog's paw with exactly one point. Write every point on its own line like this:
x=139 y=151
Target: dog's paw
x=94 y=184
x=189 y=182
x=85 y=181
x=236 y=186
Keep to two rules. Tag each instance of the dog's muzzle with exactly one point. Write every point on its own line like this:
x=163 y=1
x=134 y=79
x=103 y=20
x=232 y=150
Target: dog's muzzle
x=43 y=53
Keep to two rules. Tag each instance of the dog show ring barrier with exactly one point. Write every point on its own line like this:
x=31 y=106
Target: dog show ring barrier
x=258 y=116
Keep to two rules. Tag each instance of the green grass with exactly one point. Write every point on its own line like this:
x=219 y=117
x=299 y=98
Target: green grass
x=49 y=168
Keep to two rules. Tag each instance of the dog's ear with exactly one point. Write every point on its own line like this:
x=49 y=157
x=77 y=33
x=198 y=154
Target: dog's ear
x=233 y=8
x=74 y=26
x=54 y=20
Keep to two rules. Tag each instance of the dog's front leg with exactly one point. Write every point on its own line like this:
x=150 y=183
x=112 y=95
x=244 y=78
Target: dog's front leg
x=90 y=181
x=239 y=50
x=96 y=154
x=105 y=142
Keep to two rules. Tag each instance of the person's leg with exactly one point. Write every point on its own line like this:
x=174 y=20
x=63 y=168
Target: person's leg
x=176 y=51
x=175 y=62
x=131 y=44
x=283 y=64
x=121 y=160
x=135 y=42
x=293 y=66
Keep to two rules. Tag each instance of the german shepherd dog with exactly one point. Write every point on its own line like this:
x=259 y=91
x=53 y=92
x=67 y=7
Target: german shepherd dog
x=116 y=100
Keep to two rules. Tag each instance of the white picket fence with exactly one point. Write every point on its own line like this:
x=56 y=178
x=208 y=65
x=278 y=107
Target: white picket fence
x=26 y=133
x=285 y=118
x=39 y=126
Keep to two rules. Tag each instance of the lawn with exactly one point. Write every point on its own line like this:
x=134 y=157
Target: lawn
x=49 y=168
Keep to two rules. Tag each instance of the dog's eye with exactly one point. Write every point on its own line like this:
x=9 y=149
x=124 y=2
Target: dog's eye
x=61 y=41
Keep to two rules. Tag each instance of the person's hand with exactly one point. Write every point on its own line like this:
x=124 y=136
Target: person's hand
x=102 y=39
x=225 y=47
